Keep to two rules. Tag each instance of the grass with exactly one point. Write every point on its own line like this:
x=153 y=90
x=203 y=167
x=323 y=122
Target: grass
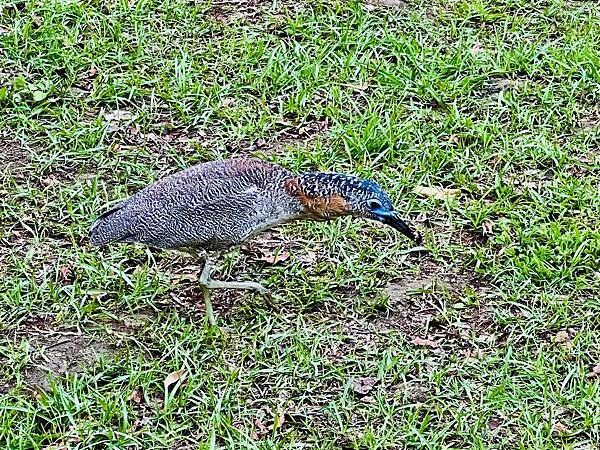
x=486 y=340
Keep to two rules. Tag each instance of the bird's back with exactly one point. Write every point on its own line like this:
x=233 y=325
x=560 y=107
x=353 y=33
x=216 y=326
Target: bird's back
x=212 y=205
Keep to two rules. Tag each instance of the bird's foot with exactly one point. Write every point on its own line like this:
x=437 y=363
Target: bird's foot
x=207 y=285
x=247 y=285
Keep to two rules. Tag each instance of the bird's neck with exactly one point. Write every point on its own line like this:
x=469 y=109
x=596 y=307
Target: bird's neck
x=320 y=194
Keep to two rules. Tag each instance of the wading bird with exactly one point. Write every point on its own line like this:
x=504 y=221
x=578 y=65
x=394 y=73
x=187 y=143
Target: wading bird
x=219 y=204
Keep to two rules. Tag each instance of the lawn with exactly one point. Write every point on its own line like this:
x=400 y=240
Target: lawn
x=487 y=338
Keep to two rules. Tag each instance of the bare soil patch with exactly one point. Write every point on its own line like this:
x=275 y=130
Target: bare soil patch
x=301 y=135
x=440 y=307
x=55 y=352
x=251 y=11
x=13 y=156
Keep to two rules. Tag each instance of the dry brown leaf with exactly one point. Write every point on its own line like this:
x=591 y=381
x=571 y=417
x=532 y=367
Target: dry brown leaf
x=561 y=428
x=364 y=385
x=279 y=419
x=118 y=116
x=189 y=277
x=438 y=193
x=139 y=423
x=37 y=394
x=494 y=423
x=227 y=102
x=37 y=19
x=137 y=395
x=136 y=425
x=50 y=181
x=594 y=373
x=275 y=258
x=388 y=3
x=179 y=375
x=65 y=273
x=477 y=48
x=262 y=428
x=424 y=342
x=562 y=336
x=487 y=227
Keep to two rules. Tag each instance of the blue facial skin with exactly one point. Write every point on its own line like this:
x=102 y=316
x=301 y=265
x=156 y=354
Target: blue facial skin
x=365 y=198
x=381 y=208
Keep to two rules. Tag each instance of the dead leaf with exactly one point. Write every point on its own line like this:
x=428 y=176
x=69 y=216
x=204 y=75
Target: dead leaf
x=388 y=3
x=495 y=85
x=487 y=227
x=227 y=102
x=137 y=395
x=438 y=193
x=421 y=218
x=50 y=181
x=118 y=116
x=260 y=143
x=279 y=419
x=37 y=19
x=309 y=258
x=364 y=385
x=494 y=423
x=38 y=394
x=424 y=342
x=275 y=258
x=139 y=423
x=262 y=428
x=477 y=48
x=65 y=273
x=594 y=373
x=559 y=427
x=562 y=336
x=179 y=375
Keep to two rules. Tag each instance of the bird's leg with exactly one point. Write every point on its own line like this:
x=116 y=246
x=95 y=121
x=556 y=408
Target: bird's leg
x=206 y=283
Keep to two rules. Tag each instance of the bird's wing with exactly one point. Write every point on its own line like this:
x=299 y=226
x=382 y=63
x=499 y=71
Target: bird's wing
x=195 y=206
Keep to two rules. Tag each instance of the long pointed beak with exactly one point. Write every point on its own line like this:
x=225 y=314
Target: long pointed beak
x=392 y=219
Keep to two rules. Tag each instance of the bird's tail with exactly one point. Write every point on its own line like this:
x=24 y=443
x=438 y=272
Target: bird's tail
x=110 y=227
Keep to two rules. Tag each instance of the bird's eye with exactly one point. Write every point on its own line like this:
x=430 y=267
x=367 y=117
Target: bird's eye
x=373 y=204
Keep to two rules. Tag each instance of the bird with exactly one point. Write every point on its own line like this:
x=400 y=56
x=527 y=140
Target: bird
x=216 y=205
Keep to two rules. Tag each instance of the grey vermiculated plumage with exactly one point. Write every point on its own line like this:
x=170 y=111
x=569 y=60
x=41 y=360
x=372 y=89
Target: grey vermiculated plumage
x=219 y=204
x=210 y=206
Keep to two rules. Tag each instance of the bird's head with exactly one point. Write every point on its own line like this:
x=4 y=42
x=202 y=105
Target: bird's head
x=328 y=195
